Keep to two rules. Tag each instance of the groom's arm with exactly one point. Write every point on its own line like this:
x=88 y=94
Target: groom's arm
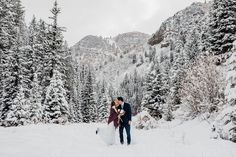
x=129 y=111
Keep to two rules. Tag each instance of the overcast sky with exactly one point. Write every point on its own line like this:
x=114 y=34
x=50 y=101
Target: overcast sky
x=106 y=17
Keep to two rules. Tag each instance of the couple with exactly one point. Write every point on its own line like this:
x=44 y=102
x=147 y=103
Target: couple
x=120 y=116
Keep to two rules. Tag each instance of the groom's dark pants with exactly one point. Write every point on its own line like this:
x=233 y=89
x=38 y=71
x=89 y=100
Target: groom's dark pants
x=127 y=129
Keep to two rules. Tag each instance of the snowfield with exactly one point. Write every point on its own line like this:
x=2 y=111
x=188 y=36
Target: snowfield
x=190 y=139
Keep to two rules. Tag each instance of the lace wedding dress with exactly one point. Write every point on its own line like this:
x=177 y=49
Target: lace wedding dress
x=107 y=133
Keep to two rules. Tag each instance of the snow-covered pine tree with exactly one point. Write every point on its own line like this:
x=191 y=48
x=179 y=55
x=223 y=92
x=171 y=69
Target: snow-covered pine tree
x=26 y=64
x=148 y=89
x=56 y=102
x=18 y=113
x=5 y=45
x=192 y=48
x=152 y=54
x=42 y=53
x=88 y=104
x=137 y=87
x=102 y=102
x=225 y=122
x=174 y=97
x=91 y=96
x=176 y=76
x=78 y=89
x=53 y=61
x=31 y=52
x=156 y=94
x=222 y=26
x=82 y=72
x=36 y=108
x=165 y=88
x=56 y=106
x=72 y=112
x=69 y=79
x=12 y=71
x=56 y=40
x=111 y=92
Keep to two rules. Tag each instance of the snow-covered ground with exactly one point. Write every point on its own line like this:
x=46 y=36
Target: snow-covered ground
x=191 y=139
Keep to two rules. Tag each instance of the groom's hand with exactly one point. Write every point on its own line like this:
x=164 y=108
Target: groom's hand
x=130 y=122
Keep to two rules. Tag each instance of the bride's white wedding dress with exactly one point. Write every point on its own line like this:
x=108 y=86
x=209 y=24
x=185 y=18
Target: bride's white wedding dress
x=107 y=134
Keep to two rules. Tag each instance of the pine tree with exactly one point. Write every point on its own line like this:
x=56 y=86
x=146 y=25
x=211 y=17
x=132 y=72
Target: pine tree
x=111 y=93
x=156 y=95
x=102 y=109
x=78 y=91
x=56 y=102
x=166 y=108
x=42 y=57
x=55 y=39
x=88 y=105
x=192 y=47
x=12 y=75
x=5 y=28
x=56 y=106
x=222 y=26
x=177 y=72
x=53 y=58
x=148 y=89
x=18 y=113
x=73 y=86
x=137 y=88
x=72 y=112
x=36 y=108
x=69 y=73
x=32 y=54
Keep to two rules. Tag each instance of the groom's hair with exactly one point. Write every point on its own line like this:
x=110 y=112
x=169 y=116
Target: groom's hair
x=120 y=98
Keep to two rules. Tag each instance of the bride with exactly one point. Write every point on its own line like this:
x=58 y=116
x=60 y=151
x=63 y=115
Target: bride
x=107 y=133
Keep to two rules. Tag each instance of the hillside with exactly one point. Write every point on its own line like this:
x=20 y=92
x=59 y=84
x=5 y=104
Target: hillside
x=113 y=57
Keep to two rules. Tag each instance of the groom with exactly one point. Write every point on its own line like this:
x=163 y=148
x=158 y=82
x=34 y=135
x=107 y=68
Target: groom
x=125 y=120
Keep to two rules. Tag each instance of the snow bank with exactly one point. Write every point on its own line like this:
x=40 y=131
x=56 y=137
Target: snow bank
x=225 y=125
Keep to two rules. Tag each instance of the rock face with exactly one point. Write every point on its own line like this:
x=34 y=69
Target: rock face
x=183 y=22
x=127 y=41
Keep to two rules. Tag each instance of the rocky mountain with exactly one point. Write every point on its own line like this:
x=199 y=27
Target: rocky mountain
x=182 y=26
x=113 y=57
x=128 y=41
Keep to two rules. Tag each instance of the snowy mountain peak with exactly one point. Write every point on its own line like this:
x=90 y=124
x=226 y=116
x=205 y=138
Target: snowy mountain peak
x=90 y=43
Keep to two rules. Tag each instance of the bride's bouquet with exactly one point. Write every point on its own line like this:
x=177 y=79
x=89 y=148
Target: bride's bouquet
x=121 y=113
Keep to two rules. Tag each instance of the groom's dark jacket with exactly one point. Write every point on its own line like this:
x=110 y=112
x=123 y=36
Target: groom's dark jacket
x=128 y=114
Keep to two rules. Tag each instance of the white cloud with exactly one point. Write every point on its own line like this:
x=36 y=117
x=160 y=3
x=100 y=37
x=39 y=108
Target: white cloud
x=106 y=17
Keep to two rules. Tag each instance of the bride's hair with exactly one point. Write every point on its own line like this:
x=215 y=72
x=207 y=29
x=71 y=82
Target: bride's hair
x=113 y=103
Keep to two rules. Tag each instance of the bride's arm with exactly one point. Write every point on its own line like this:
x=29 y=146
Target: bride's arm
x=115 y=109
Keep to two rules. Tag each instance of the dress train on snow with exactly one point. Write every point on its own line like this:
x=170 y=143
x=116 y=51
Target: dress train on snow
x=107 y=134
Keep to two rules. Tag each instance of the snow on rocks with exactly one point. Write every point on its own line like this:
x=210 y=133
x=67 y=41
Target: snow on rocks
x=144 y=120
x=225 y=123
